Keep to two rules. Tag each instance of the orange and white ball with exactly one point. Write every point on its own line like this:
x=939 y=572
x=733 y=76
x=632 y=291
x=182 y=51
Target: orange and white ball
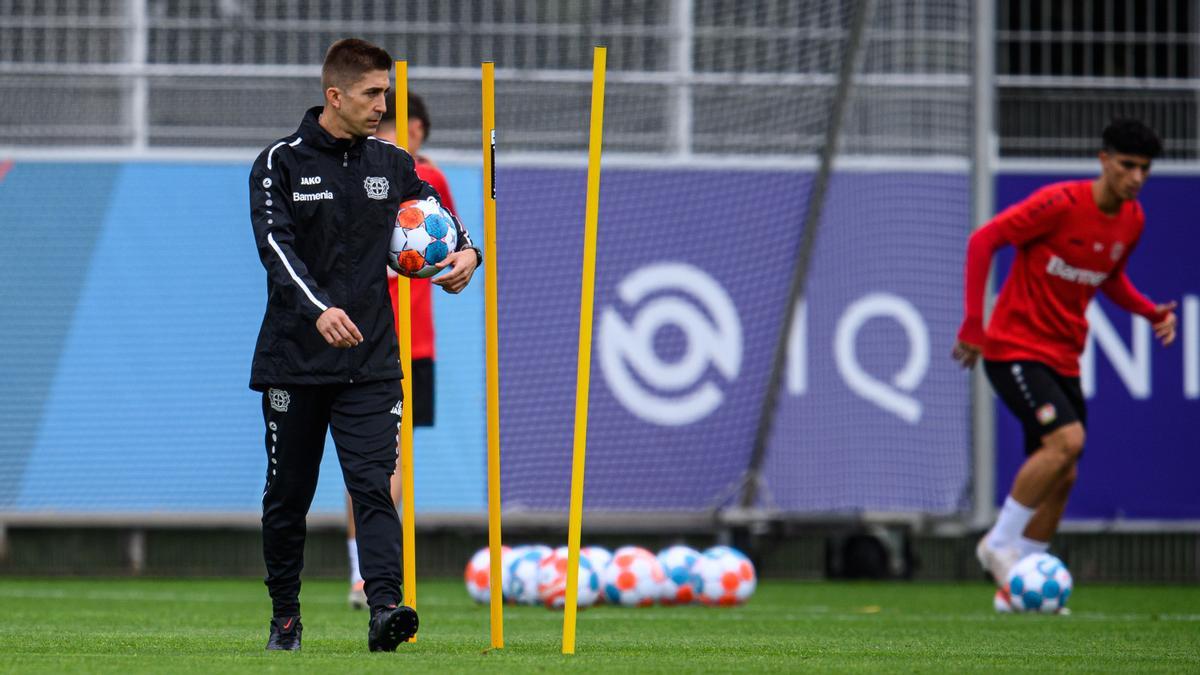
x=478 y=573
x=634 y=578
x=726 y=576
x=552 y=581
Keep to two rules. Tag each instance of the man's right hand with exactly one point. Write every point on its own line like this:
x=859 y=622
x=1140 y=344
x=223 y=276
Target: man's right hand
x=966 y=353
x=1165 y=330
x=337 y=329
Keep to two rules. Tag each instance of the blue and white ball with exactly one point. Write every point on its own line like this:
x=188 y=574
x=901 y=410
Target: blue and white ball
x=1039 y=583
x=681 y=584
x=521 y=586
x=599 y=557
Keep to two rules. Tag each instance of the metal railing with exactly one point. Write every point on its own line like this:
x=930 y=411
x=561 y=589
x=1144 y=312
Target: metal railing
x=688 y=76
x=1064 y=69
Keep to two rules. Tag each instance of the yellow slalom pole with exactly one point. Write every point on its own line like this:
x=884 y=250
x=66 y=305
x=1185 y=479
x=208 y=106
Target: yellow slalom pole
x=404 y=331
x=583 y=367
x=492 y=328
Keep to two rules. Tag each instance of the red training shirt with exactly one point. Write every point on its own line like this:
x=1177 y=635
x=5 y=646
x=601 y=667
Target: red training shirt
x=421 y=290
x=1067 y=248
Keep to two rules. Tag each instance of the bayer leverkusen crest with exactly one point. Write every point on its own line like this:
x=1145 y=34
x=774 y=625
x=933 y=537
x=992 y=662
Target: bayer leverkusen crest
x=377 y=187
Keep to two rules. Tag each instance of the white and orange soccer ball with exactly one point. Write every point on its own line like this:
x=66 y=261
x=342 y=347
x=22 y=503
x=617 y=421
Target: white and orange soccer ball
x=680 y=585
x=521 y=586
x=552 y=580
x=424 y=234
x=479 y=573
x=726 y=576
x=634 y=578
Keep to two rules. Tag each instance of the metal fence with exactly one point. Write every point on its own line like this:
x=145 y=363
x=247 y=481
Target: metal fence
x=1065 y=68
x=686 y=76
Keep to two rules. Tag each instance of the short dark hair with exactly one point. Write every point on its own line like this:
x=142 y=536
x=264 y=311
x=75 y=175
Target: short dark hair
x=1131 y=137
x=349 y=59
x=416 y=111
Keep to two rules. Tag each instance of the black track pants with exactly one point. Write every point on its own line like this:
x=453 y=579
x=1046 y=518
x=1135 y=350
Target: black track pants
x=363 y=420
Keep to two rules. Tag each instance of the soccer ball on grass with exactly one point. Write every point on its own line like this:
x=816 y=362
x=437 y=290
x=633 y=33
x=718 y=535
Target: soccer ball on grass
x=1039 y=583
x=479 y=573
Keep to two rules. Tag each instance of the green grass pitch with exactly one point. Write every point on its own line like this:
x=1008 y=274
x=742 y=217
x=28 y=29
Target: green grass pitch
x=219 y=626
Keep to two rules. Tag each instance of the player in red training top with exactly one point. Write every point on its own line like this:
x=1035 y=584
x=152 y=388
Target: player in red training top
x=421 y=312
x=1072 y=238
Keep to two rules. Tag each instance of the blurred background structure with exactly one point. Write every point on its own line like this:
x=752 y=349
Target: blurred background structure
x=128 y=441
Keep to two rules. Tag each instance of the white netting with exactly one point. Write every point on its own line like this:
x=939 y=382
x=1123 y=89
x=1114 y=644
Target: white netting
x=715 y=110
x=695 y=260
x=709 y=76
x=873 y=415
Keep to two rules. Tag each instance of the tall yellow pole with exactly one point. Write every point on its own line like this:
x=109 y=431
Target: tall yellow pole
x=584 y=363
x=404 y=331
x=492 y=355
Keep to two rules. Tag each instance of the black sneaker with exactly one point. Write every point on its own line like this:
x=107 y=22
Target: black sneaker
x=285 y=634
x=390 y=626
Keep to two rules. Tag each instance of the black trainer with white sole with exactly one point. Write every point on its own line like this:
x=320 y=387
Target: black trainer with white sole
x=390 y=626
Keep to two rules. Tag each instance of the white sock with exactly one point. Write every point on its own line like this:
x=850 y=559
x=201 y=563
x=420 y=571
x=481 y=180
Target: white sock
x=1010 y=525
x=352 y=549
x=1029 y=546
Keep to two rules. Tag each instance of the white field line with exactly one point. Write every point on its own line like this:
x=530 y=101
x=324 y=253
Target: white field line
x=733 y=614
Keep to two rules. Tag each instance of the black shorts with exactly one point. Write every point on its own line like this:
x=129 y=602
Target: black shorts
x=1040 y=397
x=422 y=392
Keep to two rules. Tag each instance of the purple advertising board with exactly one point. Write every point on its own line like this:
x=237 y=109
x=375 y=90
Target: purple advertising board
x=691 y=286
x=1142 y=454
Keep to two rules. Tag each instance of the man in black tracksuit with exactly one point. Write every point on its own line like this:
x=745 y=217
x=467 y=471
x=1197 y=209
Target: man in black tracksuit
x=323 y=203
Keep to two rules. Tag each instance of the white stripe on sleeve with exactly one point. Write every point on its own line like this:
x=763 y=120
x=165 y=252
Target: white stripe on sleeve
x=288 y=265
x=277 y=146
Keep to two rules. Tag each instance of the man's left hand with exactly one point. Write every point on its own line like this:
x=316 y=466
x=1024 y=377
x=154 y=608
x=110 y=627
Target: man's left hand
x=462 y=267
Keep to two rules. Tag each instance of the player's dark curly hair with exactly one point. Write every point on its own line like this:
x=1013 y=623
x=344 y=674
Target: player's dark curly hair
x=1131 y=137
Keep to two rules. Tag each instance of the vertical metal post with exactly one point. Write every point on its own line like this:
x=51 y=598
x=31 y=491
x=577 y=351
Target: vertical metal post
x=1193 y=31
x=983 y=422
x=682 y=18
x=137 y=113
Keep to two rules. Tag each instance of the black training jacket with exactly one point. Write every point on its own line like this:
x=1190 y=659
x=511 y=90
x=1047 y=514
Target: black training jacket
x=323 y=210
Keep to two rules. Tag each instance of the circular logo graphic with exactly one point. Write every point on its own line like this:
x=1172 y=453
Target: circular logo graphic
x=376 y=186
x=683 y=298
x=279 y=399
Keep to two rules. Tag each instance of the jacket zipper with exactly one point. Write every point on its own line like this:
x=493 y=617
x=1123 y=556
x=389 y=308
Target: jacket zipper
x=351 y=356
